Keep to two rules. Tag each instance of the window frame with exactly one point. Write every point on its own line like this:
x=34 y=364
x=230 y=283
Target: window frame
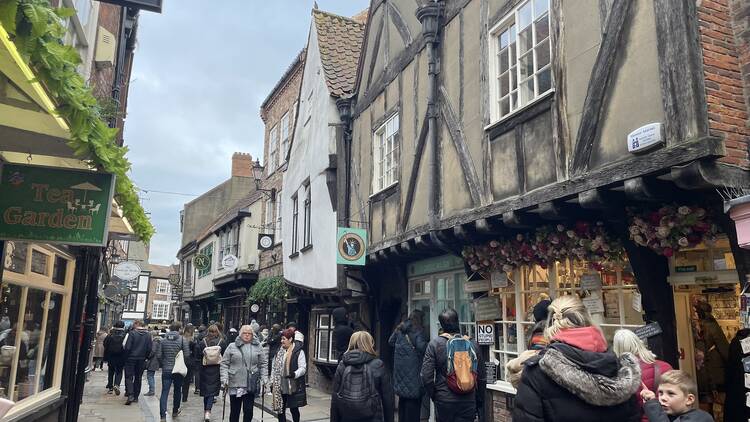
x=514 y=69
x=319 y=330
x=295 y=223
x=273 y=149
x=161 y=306
x=386 y=146
x=277 y=220
x=285 y=136
x=163 y=287
x=307 y=216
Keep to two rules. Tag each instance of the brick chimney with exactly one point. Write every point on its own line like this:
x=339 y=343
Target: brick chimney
x=242 y=164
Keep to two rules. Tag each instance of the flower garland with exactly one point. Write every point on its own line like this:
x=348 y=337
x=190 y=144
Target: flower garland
x=671 y=228
x=583 y=241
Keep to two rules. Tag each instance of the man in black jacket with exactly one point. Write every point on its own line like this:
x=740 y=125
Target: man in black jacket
x=342 y=331
x=449 y=406
x=114 y=355
x=138 y=347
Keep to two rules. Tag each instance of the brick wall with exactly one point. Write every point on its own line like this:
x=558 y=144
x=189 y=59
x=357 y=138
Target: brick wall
x=501 y=407
x=724 y=34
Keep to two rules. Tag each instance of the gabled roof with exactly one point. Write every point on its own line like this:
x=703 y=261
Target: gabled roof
x=340 y=43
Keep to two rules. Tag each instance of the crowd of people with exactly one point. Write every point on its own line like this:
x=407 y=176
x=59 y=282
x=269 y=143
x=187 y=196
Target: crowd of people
x=568 y=373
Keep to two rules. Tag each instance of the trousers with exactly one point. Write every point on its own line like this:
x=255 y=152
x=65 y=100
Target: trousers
x=134 y=376
x=167 y=380
x=455 y=411
x=243 y=403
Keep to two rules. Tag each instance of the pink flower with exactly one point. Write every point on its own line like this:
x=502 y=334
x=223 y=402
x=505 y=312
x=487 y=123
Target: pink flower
x=668 y=252
x=683 y=210
x=494 y=243
x=683 y=241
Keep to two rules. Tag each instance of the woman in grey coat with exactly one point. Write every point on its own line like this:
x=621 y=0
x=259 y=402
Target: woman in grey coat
x=244 y=367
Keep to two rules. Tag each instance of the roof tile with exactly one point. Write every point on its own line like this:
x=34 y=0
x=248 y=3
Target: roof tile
x=340 y=44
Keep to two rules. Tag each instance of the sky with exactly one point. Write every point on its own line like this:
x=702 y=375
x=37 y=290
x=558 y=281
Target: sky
x=200 y=73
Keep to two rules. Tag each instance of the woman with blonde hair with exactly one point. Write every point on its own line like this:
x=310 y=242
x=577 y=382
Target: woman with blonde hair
x=625 y=341
x=576 y=378
x=362 y=389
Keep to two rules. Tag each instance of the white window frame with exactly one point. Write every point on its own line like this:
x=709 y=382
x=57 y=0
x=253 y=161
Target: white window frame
x=277 y=221
x=385 y=153
x=273 y=149
x=295 y=223
x=320 y=327
x=130 y=303
x=515 y=100
x=160 y=309
x=307 y=217
x=163 y=287
x=285 y=136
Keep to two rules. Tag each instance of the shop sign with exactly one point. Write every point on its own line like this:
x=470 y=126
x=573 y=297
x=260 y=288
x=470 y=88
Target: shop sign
x=637 y=305
x=487 y=309
x=174 y=279
x=229 y=262
x=649 y=330
x=591 y=281
x=645 y=138
x=254 y=308
x=476 y=286
x=745 y=344
x=490 y=369
x=686 y=269
x=127 y=271
x=499 y=280
x=265 y=242
x=485 y=333
x=55 y=205
x=351 y=246
x=593 y=304
x=435 y=265
x=201 y=262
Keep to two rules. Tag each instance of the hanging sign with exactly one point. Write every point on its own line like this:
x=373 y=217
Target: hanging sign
x=745 y=344
x=229 y=262
x=487 y=308
x=265 y=241
x=127 y=271
x=645 y=138
x=254 y=308
x=351 y=246
x=637 y=304
x=592 y=281
x=54 y=205
x=150 y=5
x=499 y=280
x=593 y=304
x=476 y=286
x=649 y=330
x=485 y=333
x=201 y=262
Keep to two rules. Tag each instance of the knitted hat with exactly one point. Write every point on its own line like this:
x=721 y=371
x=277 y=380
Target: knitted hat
x=540 y=310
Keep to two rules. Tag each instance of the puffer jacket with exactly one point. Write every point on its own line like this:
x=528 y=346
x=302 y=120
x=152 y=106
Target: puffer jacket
x=435 y=371
x=168 y=349
x=649 y=372
x=409 y=345
x=381 y=380
x=576 y=379
x=241 y=357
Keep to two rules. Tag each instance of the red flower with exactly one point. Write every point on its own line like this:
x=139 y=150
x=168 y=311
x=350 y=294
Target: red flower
x=668 y=252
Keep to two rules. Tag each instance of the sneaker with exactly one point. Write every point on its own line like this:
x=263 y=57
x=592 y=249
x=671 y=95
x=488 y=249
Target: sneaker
x=150 y=393
x=207 y=416
x=176 y=413
x=117 y=391
x=129 y=401
x=109 y=391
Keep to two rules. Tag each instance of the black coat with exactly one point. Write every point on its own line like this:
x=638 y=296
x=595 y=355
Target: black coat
x=342 y=332
x=382 y=384
x=434 y=373
x=567 y=384
x=734 y=406
x=298 y=394
x=409 y=345
x=210 y=379
x=138 y=345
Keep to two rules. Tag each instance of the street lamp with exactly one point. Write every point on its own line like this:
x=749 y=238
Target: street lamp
x=258 y=176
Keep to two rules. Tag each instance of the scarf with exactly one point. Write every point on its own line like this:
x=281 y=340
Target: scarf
x=288 y=359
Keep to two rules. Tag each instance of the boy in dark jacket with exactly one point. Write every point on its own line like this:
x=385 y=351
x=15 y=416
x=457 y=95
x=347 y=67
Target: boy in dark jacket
x=114 y=355
x=677 y=392
x=138 y=347
x=342 y=331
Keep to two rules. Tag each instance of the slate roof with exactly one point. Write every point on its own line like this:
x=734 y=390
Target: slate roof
x=340 y=43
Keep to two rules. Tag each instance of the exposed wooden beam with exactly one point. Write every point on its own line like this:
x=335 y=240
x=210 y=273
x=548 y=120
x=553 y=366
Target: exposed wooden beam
x=414 y=175
x=553 y=210
x=708 y=174
x=560 y=128
x=488 y=226
x=376 y=49
x=647 y=189
x=517 y=220
x=596 y=199
x=400 y=24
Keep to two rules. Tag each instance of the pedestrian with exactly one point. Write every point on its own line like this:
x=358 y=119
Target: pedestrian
x=274 y=343
x=713 y=346
x=256 y=330
x=454 y=401
x=209 y=357
x=287 y=377
x=196 y=358
x=189 y=335
x=734 y=405
x=115 y=357
x=243 y=370
x=537 y=342
x=138 y=347
x=626 y=341
x=152 y=364
x=99 y=349
x=362 y=389
x=342 y=331
x=676 y=401
x=298 y=336
x=172 y=344
x=576 y=378
x=409 y=345
x=232 y=335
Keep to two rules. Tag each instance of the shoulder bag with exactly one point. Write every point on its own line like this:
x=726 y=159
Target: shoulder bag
x=179 y=361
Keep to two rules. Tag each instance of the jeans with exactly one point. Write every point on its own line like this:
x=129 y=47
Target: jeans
x=409 y=410
x=151 y=381
x=462 y=411
x=134 y=376
x=208 y=403
x=244 y=403
x=167 y=380
x=294 y=410
x=114 y=372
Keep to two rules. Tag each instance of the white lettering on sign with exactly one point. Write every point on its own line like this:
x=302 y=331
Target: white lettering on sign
x=499 y=280
x=591 y=281
x=645 y=138
x=593 y=304
x=485 y=333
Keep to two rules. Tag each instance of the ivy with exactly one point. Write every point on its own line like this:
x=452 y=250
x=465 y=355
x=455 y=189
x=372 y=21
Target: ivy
x=37 y=31
x=269 y=290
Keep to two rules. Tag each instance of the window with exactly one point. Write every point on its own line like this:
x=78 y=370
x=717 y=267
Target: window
x=130 y=303
x=34 y=299
x=207 y=250
x=385 y=155
x=273 y=150
x=162 y=287
x=160 y=310
x=295 y=224
x=307 y=241
x=284 y=136
x=324 y=350
x=268 y=224
x=521 y=66
x=228 y=241
x=277 y=223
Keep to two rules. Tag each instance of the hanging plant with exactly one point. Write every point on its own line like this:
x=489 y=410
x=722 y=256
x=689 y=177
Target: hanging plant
x=37 y=31
x=671 y=228
x=269 y=290
x=547 y=244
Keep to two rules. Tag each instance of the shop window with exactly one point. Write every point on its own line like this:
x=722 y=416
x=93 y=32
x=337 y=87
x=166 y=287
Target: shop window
x=324 y=351
x=34 y=294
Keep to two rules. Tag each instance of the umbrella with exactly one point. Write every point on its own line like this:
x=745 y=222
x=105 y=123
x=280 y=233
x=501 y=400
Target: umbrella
x=85 y=187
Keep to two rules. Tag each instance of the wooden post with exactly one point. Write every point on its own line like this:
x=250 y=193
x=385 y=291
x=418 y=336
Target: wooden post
x=485 y=414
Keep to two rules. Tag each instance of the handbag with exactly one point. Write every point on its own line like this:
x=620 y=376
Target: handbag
x=179 y=363
x=253 y=378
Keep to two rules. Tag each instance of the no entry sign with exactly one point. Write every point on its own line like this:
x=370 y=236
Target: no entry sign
x=486 y=333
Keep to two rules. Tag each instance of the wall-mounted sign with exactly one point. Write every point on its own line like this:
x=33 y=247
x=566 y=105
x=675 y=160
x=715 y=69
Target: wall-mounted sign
x=254 y=308
x=485 y=333
x=229 y=262
x=490 y=369
x=591 y=281
x=265 y=241
x=648 y=330
x=593 y=304
x=127 y=271
x=499 y=280
x=174 y=279
x=476 y=286
x=351 y=246
x=645 y=138
x=487 y=309
x=55 y=205
x=150 y=5
x=201 y=261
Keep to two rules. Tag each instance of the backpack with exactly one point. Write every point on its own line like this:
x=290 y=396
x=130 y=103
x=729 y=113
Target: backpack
x=211 y=354
x=462 y=364
x=114 y=346
x=357 y=397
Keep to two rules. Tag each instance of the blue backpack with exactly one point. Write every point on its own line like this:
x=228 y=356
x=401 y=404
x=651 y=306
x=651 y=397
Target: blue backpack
x=462 y=364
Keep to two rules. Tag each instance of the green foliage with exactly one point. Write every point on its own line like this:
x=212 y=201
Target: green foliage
x=37 y=31
x=269 y=290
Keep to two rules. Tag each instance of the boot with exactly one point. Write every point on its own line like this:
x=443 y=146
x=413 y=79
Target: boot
x=129 y=401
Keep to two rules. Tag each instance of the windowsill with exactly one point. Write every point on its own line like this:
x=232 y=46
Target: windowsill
x=519 y=111
x=32 y=404
x=502 y=386
x=386 y=191
x=324 y=362
x=294 y=255
x=306 y=248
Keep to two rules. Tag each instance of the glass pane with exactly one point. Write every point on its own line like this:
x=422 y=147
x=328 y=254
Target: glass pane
x=51 y=338
x=526 y=66
x=10 y=303
x=16 y=254
x=540 y=6
x=513 y=78
x=503 y=60
x=323 y=343
x=504 y=39
x=32 y=321
x=544 y=80
x=514 y=100
x=525 y=42
x=504 y=106
x=524 y=15
x=512 y=47
x=526 y=93
x=541 y=27
x=542 y=56
x=504 y=84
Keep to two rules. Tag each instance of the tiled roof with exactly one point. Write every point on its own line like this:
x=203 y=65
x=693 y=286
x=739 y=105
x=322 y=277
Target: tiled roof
x=160 y=271
x=340 y=43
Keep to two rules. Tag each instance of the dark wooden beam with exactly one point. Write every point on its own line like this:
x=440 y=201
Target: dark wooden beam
x=517 y=220
x=648 y=189
x=400 y=24
x=560 y=129
x=554 y=210
x=601 y=74
x=464 y=232
x=708 y=174
x=376 y=49
x=414 y=175
x=488 y=226
x=597 y=199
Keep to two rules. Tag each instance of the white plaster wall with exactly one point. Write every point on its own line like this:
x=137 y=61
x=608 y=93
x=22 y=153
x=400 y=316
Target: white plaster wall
x=205 y=284
x=313 y=141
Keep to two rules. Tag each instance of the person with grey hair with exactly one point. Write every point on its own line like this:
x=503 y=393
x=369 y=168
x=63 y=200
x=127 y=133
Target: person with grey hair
x=244 y=368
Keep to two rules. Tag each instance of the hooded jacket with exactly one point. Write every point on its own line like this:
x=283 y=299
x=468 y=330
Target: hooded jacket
x=409 y=345
x=116 y=334
x=576 y=379
x=168 y=349
x=342 y=331
x=138 y=344
x=381 y=380
x=435 y=371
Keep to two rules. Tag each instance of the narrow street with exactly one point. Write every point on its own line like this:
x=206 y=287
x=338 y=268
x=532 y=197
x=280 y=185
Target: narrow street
x=99 y=406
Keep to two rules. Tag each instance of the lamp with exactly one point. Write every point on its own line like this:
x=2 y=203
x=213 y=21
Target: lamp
x=258 y=176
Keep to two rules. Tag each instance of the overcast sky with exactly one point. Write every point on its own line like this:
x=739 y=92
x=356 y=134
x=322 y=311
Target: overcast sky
x=201 y=71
